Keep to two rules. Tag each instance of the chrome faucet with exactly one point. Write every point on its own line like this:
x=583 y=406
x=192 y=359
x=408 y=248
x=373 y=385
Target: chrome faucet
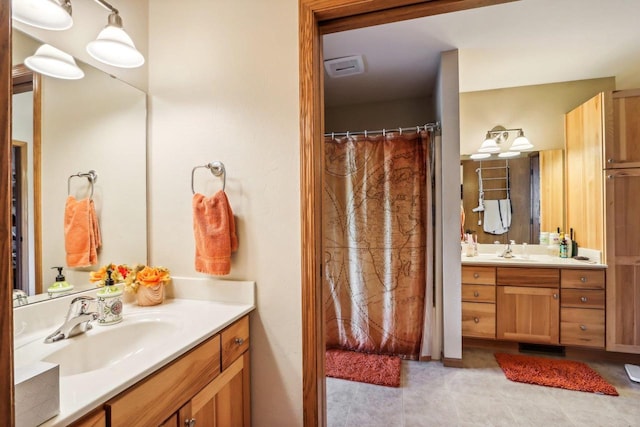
x=77 y=321
x=19 y=298
x=508 y=252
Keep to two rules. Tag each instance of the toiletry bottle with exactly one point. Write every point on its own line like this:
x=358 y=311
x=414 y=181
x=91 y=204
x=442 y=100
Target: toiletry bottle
x=574 y=245
x=567 y=238
x=109 y=302
x=563 y=248
x=60 y=285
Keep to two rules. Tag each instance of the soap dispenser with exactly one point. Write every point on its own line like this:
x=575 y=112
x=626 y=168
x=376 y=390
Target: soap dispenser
x=60 y=285
x=109 y=302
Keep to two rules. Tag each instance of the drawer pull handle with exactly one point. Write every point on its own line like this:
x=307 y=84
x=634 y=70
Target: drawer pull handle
x=476 y=319
x=583 y=299
x=583 y=279
x=583 y=328
x=190 y=422
x=476 y=294
x=555 y=296
x=239 y=341
x=476 y=275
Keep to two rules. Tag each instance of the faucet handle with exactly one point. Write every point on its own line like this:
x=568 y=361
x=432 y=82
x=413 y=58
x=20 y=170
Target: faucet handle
x=81 y=304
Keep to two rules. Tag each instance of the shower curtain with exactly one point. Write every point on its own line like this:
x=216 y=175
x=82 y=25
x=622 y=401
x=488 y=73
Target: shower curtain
x=375 y=210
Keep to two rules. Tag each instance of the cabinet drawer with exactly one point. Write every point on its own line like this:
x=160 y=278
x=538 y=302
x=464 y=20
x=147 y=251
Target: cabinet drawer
x=582 y=298
x=539 y=277
x=235 y=341
x=167 y=389
x=583 y=279
x=582 y=326
x=478 y=293
x=478 y=275
x=478 y=320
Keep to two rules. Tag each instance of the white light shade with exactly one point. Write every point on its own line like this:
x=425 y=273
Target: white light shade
x=46 y=14
x=53 y=62
x=489 y=146
x=509 y=154
x=479 y=156
x=521 y=143
x=114 y=47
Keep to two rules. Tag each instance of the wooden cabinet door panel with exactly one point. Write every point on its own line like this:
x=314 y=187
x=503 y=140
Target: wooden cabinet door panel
x=584 y=136
x=623 y=260
x=234 y=341
x=582 y=298
x=528 y=314
x=583 y=327
x=515 y=276
x=478 y=320
x=475 y=275
x=582 y=279
x=622 y=146
x=478 y=293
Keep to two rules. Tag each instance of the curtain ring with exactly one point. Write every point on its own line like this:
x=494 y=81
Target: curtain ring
x=333 y=135
x=365 y=133
x=347 y=134
x=400 y=129
x=384 y=132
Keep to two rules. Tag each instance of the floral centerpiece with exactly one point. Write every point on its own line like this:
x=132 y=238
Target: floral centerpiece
x=145 y=281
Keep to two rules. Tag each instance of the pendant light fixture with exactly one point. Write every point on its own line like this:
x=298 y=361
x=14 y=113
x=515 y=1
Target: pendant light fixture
x=53 y=62
x=494 y=143
x=113 y=46
x=46 y=14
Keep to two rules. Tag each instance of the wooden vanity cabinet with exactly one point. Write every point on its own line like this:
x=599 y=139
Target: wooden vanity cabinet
x=528 y=302
x=196 y=387
x=479 y=302
x=582 y=308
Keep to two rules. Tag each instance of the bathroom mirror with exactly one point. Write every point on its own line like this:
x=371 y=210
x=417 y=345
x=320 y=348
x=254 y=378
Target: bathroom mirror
x=95 y=123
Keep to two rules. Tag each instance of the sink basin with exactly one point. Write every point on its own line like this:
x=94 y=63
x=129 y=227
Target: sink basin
x=105 y=346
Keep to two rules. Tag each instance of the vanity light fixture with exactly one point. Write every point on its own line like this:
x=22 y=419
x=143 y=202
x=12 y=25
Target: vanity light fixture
x=113 y=46
x=494 y=143
x=53 y=62
x=46 y=14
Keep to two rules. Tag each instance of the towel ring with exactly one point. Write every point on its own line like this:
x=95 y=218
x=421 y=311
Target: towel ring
x=216 y=168
x=92 y=176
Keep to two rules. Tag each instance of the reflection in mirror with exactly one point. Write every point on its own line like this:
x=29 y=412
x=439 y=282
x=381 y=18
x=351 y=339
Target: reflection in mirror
x=96 y=123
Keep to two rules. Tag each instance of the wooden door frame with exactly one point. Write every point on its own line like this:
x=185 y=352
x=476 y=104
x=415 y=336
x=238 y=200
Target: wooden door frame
x=6 y=304
x=318 y=17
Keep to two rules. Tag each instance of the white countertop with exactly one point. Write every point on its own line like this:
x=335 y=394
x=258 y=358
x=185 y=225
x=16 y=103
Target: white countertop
x=188 y=322
x=533 y=259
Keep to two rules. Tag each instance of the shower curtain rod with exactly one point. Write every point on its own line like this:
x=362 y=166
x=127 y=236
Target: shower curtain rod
x=428 y=126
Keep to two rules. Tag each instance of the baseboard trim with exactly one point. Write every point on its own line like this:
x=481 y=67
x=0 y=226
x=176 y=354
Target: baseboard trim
x=584 y=354
x=452 y=363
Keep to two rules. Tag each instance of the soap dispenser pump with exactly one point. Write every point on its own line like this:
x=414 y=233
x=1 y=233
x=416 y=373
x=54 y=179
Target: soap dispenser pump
x=109 y=302
x=60 y=285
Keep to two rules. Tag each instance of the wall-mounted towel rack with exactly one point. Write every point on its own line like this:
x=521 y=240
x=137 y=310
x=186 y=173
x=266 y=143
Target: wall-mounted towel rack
x=92 y=177
x=216 y=168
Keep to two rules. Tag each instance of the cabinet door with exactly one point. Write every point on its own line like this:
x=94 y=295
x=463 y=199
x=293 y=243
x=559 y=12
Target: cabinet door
x=622 y=144
x=584 y=127
x=528 y=314
x=224 y=402
x=623 y=259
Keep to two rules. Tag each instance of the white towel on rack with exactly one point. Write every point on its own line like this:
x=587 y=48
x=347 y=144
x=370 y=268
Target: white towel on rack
x=497 y=216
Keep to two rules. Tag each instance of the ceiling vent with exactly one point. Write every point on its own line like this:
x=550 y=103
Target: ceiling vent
x=346 y=66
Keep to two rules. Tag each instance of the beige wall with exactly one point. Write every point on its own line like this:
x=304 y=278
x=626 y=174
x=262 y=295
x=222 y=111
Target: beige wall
x=538 y=109
x=379 y=115
x=223 y=86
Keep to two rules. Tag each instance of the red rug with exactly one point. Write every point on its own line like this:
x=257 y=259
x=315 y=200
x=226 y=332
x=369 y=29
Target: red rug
x=553 y=373
x=365 y=368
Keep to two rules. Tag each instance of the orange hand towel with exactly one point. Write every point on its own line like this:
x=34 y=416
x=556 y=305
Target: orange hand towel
x=81 y=232
x=215 y=233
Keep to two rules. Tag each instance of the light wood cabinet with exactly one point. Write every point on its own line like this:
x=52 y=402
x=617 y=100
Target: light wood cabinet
x=209 y=384
x=622 y=144
x=582 y=312
x=623 y=259
x=584 y=133
x=551 y=189
x=94 y=419
x=478 y=302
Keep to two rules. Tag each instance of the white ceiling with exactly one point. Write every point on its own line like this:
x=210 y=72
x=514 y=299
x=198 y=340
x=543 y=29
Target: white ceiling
x=522 y=43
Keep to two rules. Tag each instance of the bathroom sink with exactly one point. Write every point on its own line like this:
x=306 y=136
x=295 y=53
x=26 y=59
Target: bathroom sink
x=106 y=346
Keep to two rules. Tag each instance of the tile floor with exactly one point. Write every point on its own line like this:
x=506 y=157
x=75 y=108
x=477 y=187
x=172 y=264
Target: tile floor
x=478 y=395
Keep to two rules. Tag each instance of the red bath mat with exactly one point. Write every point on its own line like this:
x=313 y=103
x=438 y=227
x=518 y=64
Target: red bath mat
x=554 y=373
x=366 y=368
